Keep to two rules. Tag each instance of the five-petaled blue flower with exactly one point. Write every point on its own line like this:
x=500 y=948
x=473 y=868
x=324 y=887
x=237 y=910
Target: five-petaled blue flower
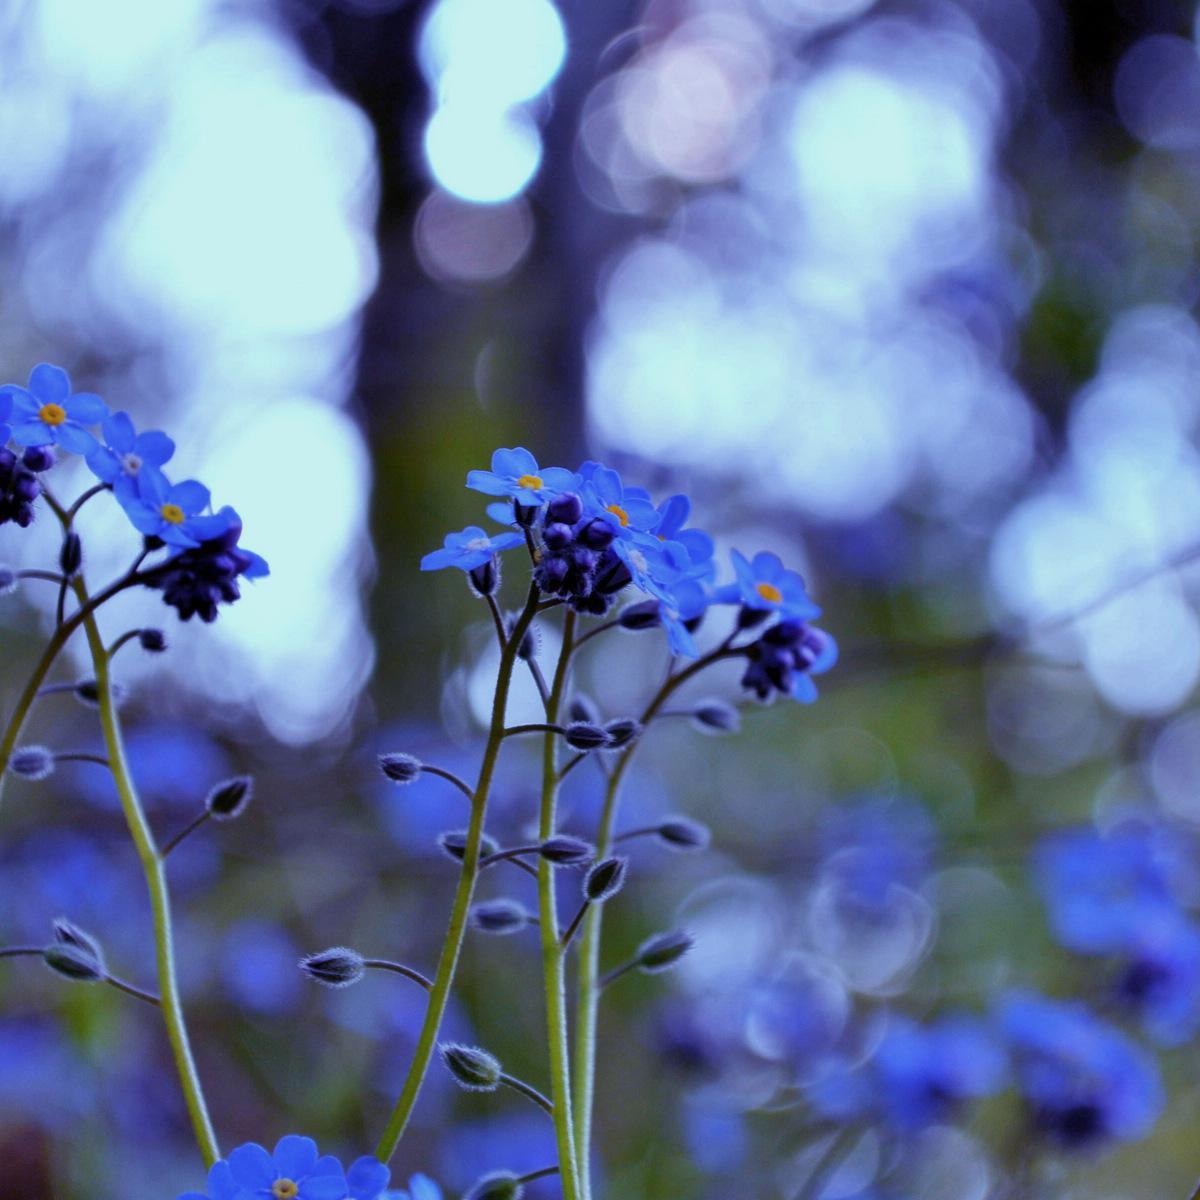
x=628 y=509
x=173 y=512
x=47 y=413
x=764 y=584
x=128 y=457
x=469 y=549
x=516 y=473
x=420 y=1187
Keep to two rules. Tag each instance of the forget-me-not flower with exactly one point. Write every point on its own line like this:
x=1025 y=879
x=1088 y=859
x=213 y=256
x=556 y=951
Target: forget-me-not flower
x=128 y=456
x=295 y=1171
x=765 y=585
x=173 y=512
x=627 y=509
x=515 y=473
x=47 y=412
x=470 y=548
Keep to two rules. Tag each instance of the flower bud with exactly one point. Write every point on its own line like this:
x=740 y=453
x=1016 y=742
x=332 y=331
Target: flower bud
x=565 y=509
x=680 y=833
x=74 y=962
x=400 y=768
x=583 y=735
x=454 y=844
x=485 y=579
x=596 y=534
x=8 y=581
x=39 y=458
x=153 y=641
x=70 y=556
x=622 y=731
x=605 y=879
x=228 y=800
x=34 y=763
x=583 y=708
x=337 y=967
x=645 y=615
x=715 y=716
x=499 y=917
x=662 y=951
x=563 y=850
x=67 y=933
x=474 y=1069
x=556 y=536
x=497 y=1185
x=748 y=618
x=525 y=515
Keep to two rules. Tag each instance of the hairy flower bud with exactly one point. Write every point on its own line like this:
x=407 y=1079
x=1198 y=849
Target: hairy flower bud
x=70 y=555
x=582 y=708
x=583 y=735
x=605 y=879
x=662 y=951
x=474 y=1069
x=337 y=967
x=74 y=962
x=8 y=580
x=454 y=844
x=622 y=731
x=715 y=716
x=39 y=458
x=400 y=768
x=499 y=917
x=681 y=833
x=645 y=615
x=228 y=800
x=67 y=933
x=34 y=763
x=563 y=850
x=153 y=641
x=498 y=1185
x=485 y=579
x=565 y=509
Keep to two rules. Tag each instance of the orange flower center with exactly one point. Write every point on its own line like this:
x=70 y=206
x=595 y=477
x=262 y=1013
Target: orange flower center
x=285 y=1189
x=52 y=414
x=533 y=482
x=174 y=515
x=769 y=592
x=618 y=512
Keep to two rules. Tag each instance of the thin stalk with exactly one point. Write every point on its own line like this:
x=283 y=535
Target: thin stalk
x=544 y=1173
x=575 y=1183
x=156 y=882
x=130 y=990
x=386 y=964
x=588 y=999
x=528 y=1091
x=497 y=621
x=448 y=962
x=186 y=831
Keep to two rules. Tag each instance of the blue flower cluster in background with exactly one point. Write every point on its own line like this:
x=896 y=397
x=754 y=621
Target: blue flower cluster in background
x=590 y=536
x=203 y=560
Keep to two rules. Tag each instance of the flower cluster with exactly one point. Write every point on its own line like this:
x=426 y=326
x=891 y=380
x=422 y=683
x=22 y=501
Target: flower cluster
x=591 y=536
x=297 y=1171
x=203 y=561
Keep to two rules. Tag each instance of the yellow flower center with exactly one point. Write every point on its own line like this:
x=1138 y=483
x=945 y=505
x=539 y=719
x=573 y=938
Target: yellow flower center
x=532 y=482
x=285 y=1189
x=618 y=512
x=769 y=592
x=174 y=515
x=52 y=414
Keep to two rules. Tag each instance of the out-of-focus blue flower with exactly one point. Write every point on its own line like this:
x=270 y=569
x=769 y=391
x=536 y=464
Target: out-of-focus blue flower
x=785 y=659
x=517 y=1142
x=470 y=549
x=516 y=473
x=924 y=1072
x=627 y=509
x=221 y=1185
x=258 y=966
x=367 y=1178
x=1084 y=1081
x=295 y=1170
x=37 y=1058
x=673 y=514
x=1160 y=978
x=127 y=456
x=765 y=585
x=420 y=1187
x=717 y=1140
x=173 y=512
x=5 y=413
x=47 y=412
x=1100 y=891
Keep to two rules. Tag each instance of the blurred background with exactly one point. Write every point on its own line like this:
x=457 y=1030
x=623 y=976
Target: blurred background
x=902 y=290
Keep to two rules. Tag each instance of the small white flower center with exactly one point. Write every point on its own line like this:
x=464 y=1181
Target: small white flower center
x=131 y=464
x=479 y=544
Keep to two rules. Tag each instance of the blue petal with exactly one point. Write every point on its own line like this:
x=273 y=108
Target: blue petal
x=87 y=408
x=804 y=690
x=75 y=438
x=154 y=447
x=24 y=405
x=206 y=528
x=258 y=568
x=514 y=463
x=5 y=434
x=328 y=1164
x=295 y=1156
x=501 y=512
x=251 y=1166
x=104 y=464
x=323 y=1187
x=367 y=1177
x=221 y=1183
x=5 y=404
x=559 y=479
x=507 y=541
x=191 y=495
x=436 y=560
x=119 y=432
x=423 y=1188
x=50 y=384
x=152 y=486
x=142 y=517
x=32 y=433
x=177 y=535
x=488 y=483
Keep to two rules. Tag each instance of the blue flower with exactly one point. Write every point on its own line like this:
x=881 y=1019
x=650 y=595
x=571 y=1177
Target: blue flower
x=1084 y=1081
x=420 y=1187
x=516 y=473
x=765 y=585
x=673 y=514
x=47 y=413
x=1160 y=978
x=1100 y=891
x=367 y=1178
x=221 y=1185
x=469 y=549
x=128 y=456
x=294 y=1172
x=785 y=659
x=5 y=413
x=628 y=510
x=172 y=512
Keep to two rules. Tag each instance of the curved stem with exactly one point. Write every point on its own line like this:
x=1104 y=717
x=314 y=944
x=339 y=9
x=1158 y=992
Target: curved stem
x=574 y=1174
x=588 y=999
x=529 y=1091
x=456 y=932
x=156 y=882
x=386 y=964
x=130 y=990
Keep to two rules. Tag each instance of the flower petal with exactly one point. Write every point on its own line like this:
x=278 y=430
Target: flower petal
x=559 y=479
x=86 y=407
x=423 y=1188
x=75 y=438
x=804 y=690
x=323 y=1187
x=295 y=1156
x=142 y=517
x=436 y=560
x=514 y=463
x=154 y=447
x=191 y=495
x=487 y=482
x=104 y=464
x=119 y=432
x=31 y=433
x=50 y=384
x=251 y=1166
x=367 y=1177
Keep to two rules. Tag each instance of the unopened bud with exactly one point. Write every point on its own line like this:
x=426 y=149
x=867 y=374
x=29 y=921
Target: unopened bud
x=715 y=716
x=563 y=850
x=337 y=967
x=605 y=879
x=454 y=844
x=153 y=641
x=485 y=579
x=498 y=1185
x=499 y=917
x=34 y=763
x=583 y=735
x=646 y=615
x=622 y=731
x=400 y=768
x=680 y=833
x=583 y=709
x=474 y=1069
x=662 y=951
x=74 y=962
x=69 y=934
x=228 y=800
x=70 y=556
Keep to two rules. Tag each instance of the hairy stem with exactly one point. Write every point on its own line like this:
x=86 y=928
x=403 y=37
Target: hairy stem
x=452 y=947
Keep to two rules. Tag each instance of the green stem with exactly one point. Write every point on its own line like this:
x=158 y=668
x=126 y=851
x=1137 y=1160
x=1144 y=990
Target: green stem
x=156 y=881
x=588 y=1000
x=575 y=1182
x=448 y=962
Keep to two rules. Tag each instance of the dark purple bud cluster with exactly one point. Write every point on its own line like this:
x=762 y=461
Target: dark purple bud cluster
x=577 y=561
x=19 y=483
x=195 y=582
x=785 y=651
